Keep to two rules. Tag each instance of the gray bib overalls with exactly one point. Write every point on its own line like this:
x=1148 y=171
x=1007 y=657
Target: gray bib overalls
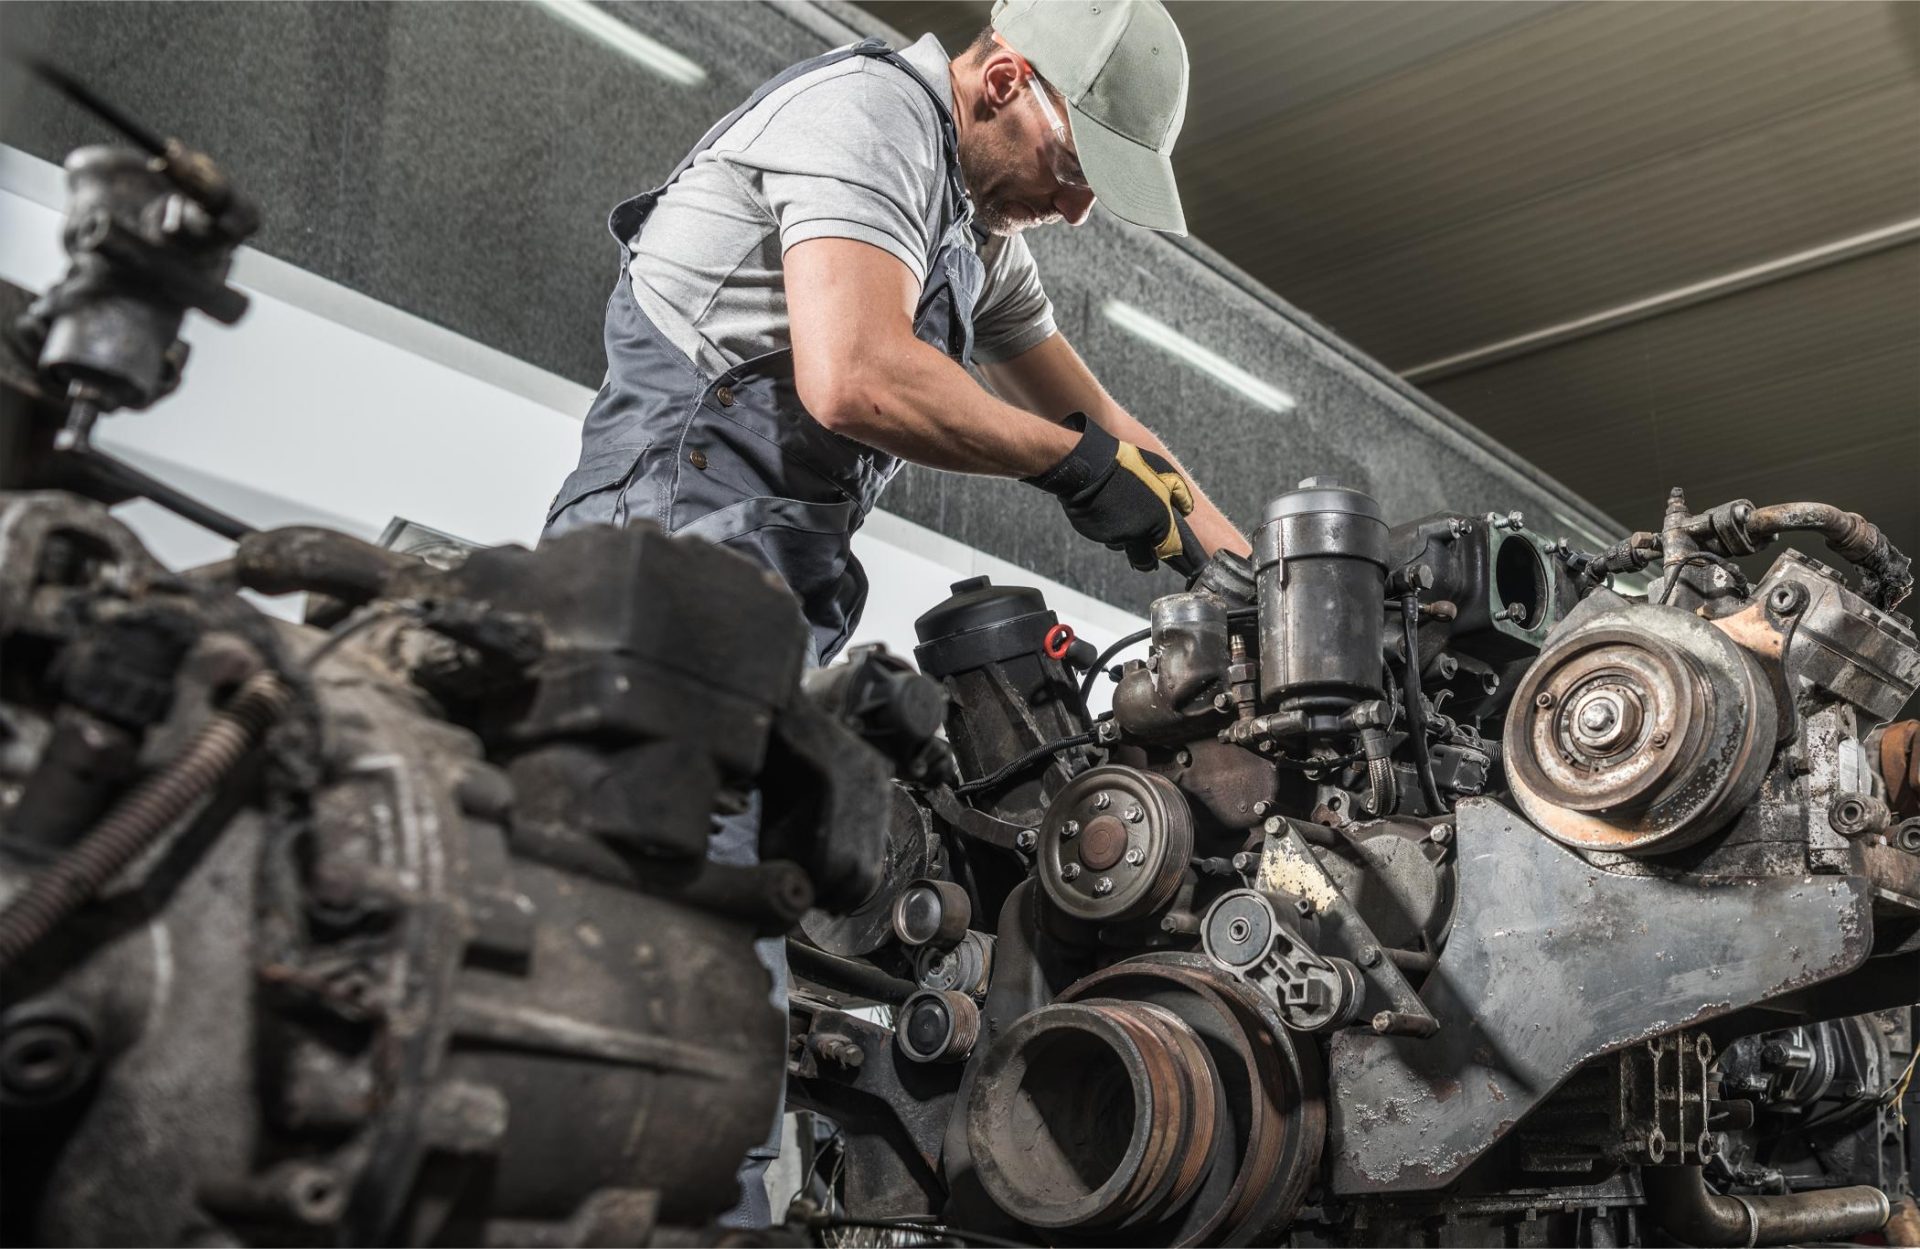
x=736 y=458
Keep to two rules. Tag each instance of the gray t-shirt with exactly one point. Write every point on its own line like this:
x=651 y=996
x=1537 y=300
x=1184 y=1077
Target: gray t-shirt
x=850 y=151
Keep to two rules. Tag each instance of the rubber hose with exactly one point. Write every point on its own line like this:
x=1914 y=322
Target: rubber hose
x=138 y=819
x=1380 y=779
x=847 y=975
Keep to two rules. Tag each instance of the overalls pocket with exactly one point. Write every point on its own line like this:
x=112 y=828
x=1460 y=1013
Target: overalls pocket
x=592 y=493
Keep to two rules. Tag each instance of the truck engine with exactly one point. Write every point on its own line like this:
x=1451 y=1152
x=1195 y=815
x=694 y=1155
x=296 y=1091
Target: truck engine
x=1422 y=886
x=1428 y=883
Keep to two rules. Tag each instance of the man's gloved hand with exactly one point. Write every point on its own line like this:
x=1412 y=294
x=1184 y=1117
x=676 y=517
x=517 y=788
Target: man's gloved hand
x=1123 y=497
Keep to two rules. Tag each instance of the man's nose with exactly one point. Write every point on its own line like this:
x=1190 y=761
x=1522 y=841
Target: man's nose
x=1073 y=203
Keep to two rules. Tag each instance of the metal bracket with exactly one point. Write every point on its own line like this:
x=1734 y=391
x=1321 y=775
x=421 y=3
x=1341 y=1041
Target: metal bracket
x=1288 y=866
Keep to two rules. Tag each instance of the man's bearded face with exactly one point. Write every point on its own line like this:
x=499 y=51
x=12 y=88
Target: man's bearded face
x=1009 y=174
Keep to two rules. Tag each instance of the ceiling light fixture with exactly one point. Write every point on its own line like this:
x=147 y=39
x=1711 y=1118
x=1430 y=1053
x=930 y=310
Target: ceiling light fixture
x=598 y=24
x=1163 y=336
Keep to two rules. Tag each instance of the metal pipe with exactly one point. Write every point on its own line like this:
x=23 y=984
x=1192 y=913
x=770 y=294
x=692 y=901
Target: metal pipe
x=1888 y=574
x=1685 y=1208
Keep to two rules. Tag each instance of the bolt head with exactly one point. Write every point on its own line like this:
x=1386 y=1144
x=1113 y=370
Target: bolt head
x=1370 y=956
x=1543 y=700
x=1660 y=737
x=1133 y=813
x=1262 y=807
x=1136 y=856
x=1070 y=829
x=1102 y=800
x=1304 y=907
x=1103 y=886
x=1070 y=871
x=1027 y=839
x=1242 y=861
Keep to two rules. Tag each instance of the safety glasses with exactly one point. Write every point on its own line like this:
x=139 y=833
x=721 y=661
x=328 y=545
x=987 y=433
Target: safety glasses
x=1066 y=165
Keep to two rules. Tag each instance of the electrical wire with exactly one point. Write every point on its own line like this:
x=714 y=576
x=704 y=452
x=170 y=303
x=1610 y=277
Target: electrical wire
x=1706 y=557
x=1027 y=760
x=1416 y=714
x=362 y=619
x=1100 y=664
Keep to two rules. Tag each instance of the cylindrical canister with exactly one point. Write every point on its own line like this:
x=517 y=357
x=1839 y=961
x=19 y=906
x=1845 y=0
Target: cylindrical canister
x=1320 y=561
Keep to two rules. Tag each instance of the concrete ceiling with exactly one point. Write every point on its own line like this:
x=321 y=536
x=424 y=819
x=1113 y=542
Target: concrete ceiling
x=1701 y=222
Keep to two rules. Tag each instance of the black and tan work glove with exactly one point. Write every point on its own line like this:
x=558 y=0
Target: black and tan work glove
x=1125 y=498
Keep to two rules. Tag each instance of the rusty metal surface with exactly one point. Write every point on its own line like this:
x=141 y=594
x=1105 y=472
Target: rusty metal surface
x=1641 y=729
x=1900 y=766
x=1289 y=866
x=1552 y=962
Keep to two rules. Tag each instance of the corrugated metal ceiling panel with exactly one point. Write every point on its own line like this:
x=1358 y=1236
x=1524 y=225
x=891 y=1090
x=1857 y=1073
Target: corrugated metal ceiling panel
x=1429 y=178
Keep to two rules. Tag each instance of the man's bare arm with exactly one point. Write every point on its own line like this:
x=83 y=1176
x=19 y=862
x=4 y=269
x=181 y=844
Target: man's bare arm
x=1052 y=378
x=861 y=372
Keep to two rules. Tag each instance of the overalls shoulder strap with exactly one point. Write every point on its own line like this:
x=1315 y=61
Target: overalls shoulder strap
x=625 y=220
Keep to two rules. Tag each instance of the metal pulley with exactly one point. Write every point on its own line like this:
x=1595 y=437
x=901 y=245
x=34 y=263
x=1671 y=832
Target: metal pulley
x=1114 y=845
x=1245 y=936
x=1640 y=729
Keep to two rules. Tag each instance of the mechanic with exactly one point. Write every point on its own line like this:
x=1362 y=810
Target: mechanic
x=799 y=301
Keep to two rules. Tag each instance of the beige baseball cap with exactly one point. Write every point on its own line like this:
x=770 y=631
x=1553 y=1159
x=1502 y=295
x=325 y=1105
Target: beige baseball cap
x=1123 y=68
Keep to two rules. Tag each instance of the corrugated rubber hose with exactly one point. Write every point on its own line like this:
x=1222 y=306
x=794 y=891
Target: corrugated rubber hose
x=138 y=819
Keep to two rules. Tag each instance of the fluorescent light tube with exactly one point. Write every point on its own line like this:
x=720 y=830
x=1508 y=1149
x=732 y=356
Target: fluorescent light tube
x=597 y=23
x=1180 y=347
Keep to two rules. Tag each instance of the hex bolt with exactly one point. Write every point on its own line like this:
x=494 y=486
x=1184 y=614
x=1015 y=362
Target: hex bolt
x=1543 y=700
x=1222 y=701
x=1660 y=738
x=1070 y=829
x=836 y=1049
x=1184 y=758
x=1136 y=856
x=1133 y=813
x=1070 y=871
x=1027 y=839
x=1441 y=835
x=1102 y=800
x=1304 y=906
x=1103 y=887
x=1370 y=956
x=1242 y=861
x=1262 y=806
x=1785 y=599
x=1267 y=745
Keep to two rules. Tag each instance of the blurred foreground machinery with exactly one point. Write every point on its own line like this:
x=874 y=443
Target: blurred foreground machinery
x=396 y=926
x=1420 y=888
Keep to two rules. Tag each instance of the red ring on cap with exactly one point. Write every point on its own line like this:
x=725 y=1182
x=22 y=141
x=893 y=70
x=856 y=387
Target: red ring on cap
x=1059 y=639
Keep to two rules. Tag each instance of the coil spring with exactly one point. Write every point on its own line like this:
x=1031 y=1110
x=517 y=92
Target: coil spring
x=139 y=818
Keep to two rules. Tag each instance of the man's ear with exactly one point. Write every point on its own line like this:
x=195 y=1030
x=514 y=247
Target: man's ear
x=1002 y=76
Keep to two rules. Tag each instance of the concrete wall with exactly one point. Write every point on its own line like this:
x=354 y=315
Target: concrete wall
x=457 y=162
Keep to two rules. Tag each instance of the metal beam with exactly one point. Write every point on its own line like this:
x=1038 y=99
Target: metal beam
x=1898 y=234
